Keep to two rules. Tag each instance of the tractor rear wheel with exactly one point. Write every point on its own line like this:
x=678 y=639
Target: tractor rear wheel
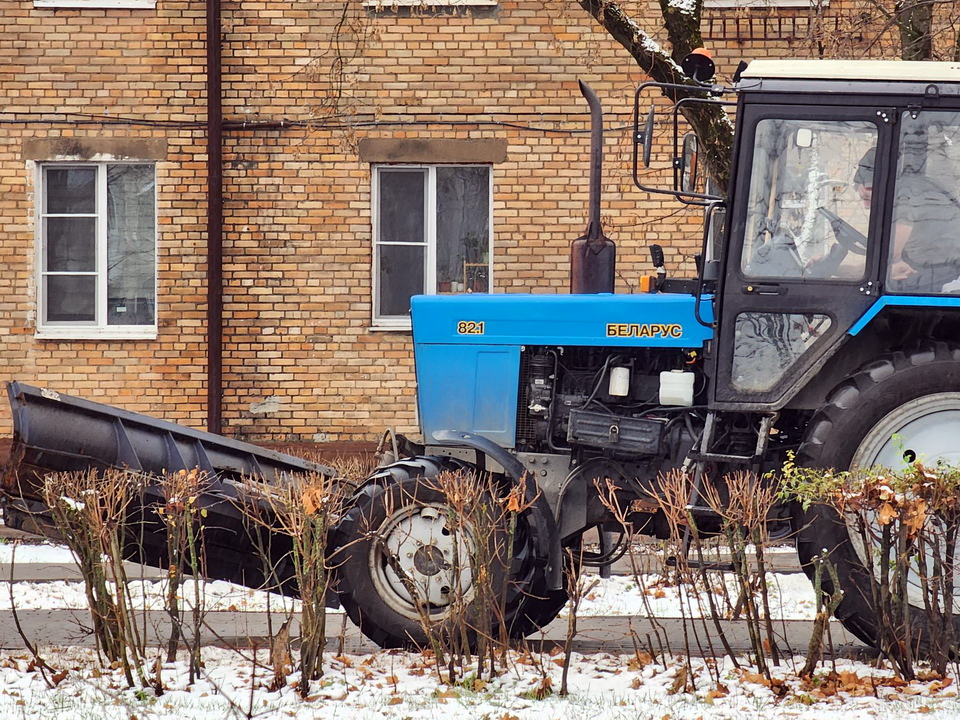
x=898 y=408
x=406 y=566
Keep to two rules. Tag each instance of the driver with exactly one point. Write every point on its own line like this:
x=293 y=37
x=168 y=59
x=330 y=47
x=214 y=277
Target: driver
x=925 y=252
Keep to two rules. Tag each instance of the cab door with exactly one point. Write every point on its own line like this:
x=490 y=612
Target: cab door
x=803 y=251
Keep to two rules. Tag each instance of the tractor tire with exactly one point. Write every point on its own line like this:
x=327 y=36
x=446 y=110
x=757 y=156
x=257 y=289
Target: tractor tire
x=538 y=608
x=913 y=395
x=391 y=552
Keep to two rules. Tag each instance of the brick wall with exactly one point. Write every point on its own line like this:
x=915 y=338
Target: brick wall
x=301 y=362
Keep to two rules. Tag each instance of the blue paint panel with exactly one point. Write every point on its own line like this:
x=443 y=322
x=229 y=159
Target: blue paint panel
x=931 y=301
x=643 y=320
x=469 y=387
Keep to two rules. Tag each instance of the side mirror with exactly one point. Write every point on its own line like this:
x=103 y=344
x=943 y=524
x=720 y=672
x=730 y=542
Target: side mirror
x=647 y=138
x=688 y=164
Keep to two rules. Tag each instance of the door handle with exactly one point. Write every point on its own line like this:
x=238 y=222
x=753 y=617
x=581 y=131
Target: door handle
x=763 y=289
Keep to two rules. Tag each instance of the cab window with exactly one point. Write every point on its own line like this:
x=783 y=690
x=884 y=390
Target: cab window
x=807 y=215
x=925 y=250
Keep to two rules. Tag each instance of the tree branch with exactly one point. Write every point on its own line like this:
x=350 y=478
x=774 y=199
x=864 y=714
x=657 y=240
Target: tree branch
x=683 y=30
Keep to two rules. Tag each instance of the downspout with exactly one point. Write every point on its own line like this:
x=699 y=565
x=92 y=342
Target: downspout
x=214 y=221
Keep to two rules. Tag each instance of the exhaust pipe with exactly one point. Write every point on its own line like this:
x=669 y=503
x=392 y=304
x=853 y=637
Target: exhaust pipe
x=593 y=257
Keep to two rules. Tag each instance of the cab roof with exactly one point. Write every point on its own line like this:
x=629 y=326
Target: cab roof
x=854 y=70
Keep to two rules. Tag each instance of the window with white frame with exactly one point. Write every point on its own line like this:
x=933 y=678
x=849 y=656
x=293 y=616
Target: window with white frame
x=97 y=250
x=431 y=235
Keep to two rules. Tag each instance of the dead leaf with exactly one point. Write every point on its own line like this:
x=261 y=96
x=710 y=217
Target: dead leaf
x=887 y=514
x=313 y=500
x=756 y=678
x=719 y=691
x=916 y=517
x=679 y=681
x=639 y=661
x=395 y=700
x=544 y=689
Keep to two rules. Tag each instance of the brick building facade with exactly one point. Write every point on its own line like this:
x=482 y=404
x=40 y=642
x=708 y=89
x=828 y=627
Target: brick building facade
x=328 y=118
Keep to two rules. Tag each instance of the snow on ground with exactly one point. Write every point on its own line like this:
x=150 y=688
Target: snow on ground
x=406 y=686
x=41 y=552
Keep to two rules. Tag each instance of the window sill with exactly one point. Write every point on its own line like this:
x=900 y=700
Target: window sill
x=96 y=334
x=406 y=328
x=97 y=4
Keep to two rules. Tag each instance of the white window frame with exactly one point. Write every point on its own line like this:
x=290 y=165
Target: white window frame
x=99 y=328
x=392 y=322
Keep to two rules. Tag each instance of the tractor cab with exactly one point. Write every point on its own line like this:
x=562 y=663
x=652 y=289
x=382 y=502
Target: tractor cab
x=844 y=219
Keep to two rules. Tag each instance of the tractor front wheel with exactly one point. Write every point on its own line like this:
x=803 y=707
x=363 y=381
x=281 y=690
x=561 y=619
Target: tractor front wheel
x=413 y=564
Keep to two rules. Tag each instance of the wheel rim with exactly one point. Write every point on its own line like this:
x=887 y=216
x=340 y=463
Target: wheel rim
x=924 y=429
x=422 y=563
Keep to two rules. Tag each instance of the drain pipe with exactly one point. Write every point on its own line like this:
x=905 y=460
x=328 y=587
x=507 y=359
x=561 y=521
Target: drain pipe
x=214 y=220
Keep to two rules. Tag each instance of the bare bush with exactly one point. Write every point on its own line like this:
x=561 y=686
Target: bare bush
x=182 y=517
x=303 y=507
x=90 y=510
x=904 y=526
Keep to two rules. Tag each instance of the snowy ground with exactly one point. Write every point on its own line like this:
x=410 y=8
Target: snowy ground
x=405 y=686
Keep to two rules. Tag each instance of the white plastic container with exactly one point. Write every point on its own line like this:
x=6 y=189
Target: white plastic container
x=676 y=388
x=619 y=382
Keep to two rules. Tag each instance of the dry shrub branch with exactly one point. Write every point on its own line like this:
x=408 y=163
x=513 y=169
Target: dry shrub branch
x=904 y=527
x=182 y=519
x=303 y=507
x=91 y=510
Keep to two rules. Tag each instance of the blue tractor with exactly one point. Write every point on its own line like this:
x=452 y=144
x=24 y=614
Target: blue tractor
x=824 y=322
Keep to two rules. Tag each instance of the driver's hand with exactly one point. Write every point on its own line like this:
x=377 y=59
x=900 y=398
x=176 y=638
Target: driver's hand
x=901 y=270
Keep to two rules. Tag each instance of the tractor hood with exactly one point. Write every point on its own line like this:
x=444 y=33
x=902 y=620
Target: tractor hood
x=468 y=347
x=651 y=320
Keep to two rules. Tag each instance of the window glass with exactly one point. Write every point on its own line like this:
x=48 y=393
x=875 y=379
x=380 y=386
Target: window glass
x=402 y=206
x=71 y=299
x=463 y=227
x=71 y=191
x=806 y=217
x=767 y=345
x=98 y=249
x=432 y=235
x=925 y=251
x=71 y=244
x=131 y=233
x=401 y=277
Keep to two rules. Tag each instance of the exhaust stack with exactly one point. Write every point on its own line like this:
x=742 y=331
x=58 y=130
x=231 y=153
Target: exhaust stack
x=593 y=257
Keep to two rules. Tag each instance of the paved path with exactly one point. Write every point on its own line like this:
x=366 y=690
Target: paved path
x=615 y=634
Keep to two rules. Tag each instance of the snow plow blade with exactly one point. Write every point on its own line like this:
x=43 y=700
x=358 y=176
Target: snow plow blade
x=59 y=433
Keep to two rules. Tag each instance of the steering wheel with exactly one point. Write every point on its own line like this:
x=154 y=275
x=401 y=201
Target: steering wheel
x=848 y=236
